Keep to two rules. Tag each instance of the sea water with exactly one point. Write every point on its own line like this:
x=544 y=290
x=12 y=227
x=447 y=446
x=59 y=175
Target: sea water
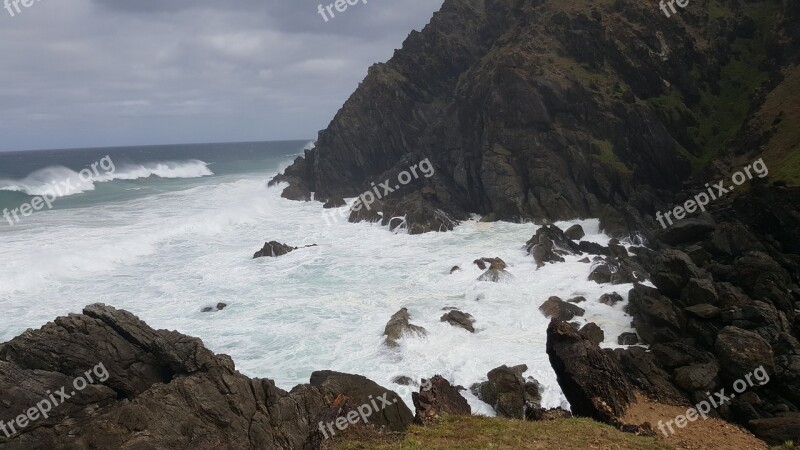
x=174 y=231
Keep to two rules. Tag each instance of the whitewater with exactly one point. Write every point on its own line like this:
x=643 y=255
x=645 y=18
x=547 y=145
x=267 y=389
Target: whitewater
x=167 y=254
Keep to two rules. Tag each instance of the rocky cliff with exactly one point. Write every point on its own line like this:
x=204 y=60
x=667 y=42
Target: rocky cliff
x=553 y=110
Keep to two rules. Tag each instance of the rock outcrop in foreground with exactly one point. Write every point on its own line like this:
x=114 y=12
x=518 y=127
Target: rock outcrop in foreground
x=162 y=390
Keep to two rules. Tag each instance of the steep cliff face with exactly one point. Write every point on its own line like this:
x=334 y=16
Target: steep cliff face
x=549 y=109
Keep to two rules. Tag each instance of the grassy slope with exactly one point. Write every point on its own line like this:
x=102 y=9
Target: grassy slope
x=492 y=433
x=722 y=113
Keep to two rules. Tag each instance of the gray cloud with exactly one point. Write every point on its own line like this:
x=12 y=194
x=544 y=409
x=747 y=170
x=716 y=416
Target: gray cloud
x=119 y=72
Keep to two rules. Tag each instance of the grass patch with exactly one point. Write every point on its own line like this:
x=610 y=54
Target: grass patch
x=475 y=432
x=609 y=158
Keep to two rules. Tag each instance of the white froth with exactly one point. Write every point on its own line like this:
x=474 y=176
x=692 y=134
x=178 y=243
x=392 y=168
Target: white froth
x=166 y=256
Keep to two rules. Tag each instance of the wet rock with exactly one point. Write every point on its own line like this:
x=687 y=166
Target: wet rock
x=496 y=272
x=593 y=333
x=584 y=260
x=508 y=392
x=556 y=308
x=554 y=239
x=398 y=326
x=610 y=299
x=628 y=339
x=593 y=248
x=335 y=202
x=592 y=381
x=460 y=319
x=455 y=269
x=440 y=398
x=491 y=263
x=403 y=380
x=578 y=299
x=574 y=233
x=218 y=307
x=274 y=249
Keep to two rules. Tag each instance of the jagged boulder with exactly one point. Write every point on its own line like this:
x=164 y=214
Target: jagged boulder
x=508 y=392
x=654 y=315
x=554 y=307
x=574 y=233
x=274 y=249
x=592 y=381
x=440 y=397
x=740 y=352
x=460 y=319
x=149 y=387
x=593 y=333
x=398 y=326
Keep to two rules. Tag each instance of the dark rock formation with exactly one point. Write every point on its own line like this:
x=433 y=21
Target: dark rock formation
x=610 y=299
x=398 y=326
x=496 y=272
x=628 y=339
x=459 y=319
x=219 y=307
x=274 y=249
x=575 y=233
x=158 y=389
x=387 y=408
x=556 y=308
x=645 y=374
x=777 y=430
x=508 y=392
x=441 y=397
x=335 y=202
x=592 y=381
x=593 y=333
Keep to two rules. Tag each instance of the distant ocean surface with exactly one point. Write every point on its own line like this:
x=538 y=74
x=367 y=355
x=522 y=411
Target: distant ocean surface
x=174 y=229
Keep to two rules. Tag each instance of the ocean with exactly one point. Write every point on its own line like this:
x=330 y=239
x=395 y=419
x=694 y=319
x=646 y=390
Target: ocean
x=174 y=229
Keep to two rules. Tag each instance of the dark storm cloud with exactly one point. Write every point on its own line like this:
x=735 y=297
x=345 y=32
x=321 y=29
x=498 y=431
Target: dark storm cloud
x=116 y=72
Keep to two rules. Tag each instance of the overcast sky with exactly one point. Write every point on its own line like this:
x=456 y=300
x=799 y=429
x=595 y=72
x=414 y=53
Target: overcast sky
x=92 y=73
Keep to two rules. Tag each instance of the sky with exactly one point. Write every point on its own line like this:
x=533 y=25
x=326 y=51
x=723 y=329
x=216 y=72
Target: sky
x=96 y=73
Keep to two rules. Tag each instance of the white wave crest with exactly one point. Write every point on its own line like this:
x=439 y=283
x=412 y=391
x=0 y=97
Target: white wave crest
x=61 y=181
